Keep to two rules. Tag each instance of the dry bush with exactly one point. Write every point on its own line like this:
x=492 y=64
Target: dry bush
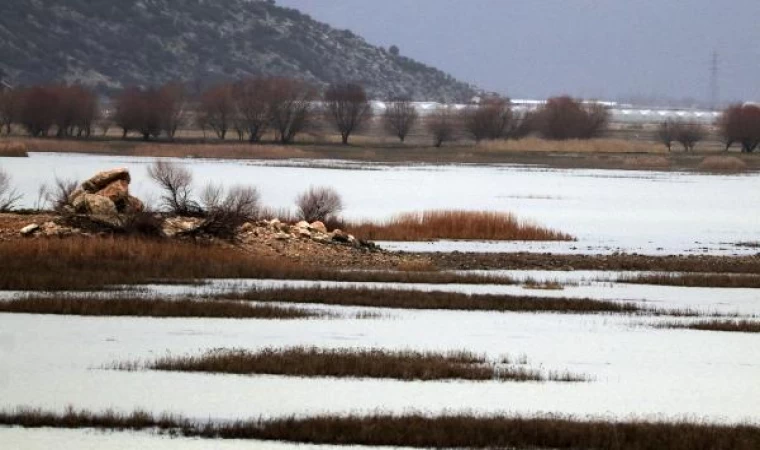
x=464 y=430
x=447 y=224
x=9 y=196
x=253 y=102
x=400 y=117
x=318 y=203
x=9 y=149
x=596 y=145
x=226 y=210
x=373 y=363
x=101 y=305
x=176 y=182
x=722 y=164
x=492 y=119
x=217 y=109
x=58 y=196
x=403 y=299
x=291 y=107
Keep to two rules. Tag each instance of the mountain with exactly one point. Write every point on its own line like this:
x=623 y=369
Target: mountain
x=110 y=44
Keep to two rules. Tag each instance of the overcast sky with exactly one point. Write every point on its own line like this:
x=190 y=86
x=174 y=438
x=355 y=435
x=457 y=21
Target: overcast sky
x=538 y=48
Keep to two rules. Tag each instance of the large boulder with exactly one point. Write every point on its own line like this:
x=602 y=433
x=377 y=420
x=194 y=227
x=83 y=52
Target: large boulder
x=117 y=191
x=103 y=179
x=98 y=205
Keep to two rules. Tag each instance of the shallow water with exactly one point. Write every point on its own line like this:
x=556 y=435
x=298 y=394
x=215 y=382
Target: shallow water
x=608 y=210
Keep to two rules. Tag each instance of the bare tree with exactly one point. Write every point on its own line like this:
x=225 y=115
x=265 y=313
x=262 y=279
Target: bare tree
x=172 y=102
x=176 y=182
x=741 y=123
x=689 y=134
x=666 y=133
x=490 y=119
x=253 y=98
x=442 y=124
x=9 y=197
x=290 y=107
x=400 y=117
x=141 y=111
x=10 y=105
x=565 y=118
x=239 y=201
x=347 y=107
x=319 y=203
x=39 y=107
x=217 y=107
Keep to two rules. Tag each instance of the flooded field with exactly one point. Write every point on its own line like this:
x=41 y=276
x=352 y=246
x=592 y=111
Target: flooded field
x=634 y=365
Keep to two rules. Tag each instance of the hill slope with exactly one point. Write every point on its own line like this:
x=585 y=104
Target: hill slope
x=112 y=43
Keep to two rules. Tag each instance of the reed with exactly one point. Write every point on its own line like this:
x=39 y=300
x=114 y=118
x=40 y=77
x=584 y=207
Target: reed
x=455 y=224
x=732 y=326
x=721 y=280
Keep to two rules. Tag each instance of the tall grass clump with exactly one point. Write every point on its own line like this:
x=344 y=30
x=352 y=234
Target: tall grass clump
x=13 y=149
x=717 y=280
x=722 y=164
x=364 y=363
x=731 y=326
x=464 y=430
x=455 y=224
x=9 y=196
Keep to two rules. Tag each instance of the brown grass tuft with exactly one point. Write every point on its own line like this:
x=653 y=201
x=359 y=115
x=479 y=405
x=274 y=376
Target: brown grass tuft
x=423 y=431
x=722 y=280
x=735 y=326
x=722 y=164
x=150 y=307
x=11 y=149
x=646 y=162
x=597 y=145
x=94 y=263
x=349 y=363
x=401 y=299
x=451 y=224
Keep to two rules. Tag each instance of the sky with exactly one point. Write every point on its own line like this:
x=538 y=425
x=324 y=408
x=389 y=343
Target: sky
x=604 y=49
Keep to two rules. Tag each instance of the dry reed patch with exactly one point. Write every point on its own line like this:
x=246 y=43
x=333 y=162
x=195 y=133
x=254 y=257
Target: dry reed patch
x=734 y=326
x=420 y=430
x=402 y=299
x=403 y=365
x=599 y=145
x=452 y=224
x=646 y=162
x=11 y=149
x=717 y=280
x=94 y=263
x=722 y=164
x=150 y=307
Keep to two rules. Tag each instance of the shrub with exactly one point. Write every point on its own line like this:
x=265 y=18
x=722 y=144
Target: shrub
x=227 y=211
x=491 y=119
x=319 y=203
x=442 y=125
x=8 y=195
x=58 y=196
x=723 y=164
x=741 y=123
x=399 y=117
x=176 y=182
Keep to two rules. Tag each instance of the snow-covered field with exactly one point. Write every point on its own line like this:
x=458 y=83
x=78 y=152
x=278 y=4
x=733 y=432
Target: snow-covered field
x=628 y=211
x=636 y=369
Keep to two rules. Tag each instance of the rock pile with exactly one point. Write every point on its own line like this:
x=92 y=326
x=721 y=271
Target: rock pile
x=315 y=231
x=106 y=194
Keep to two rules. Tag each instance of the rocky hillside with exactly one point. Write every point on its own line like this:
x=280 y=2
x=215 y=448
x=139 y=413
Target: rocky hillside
x=113 y=43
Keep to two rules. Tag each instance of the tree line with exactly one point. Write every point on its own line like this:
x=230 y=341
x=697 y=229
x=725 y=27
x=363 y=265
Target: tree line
x=285 y=107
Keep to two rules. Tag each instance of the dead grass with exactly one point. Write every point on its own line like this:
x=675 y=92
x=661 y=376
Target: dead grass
x=452 y=224
x=722 y=164
x=11 y=149
x=420 y=430
x=600 y=145
x=149 y=307
x=734 y=326
x=404 y=365
x=401 y=299
x=718 y=280
x=95 y=263
x=646 y=162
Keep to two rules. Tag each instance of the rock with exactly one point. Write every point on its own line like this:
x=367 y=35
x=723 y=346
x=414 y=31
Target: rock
x=133 y=205
x=303 y=232
x=76 y=195
x=282 y=236
x=78 y=203
x=339 y=236
x=103 y=179
x=247 y=227
x=274 y=223
x=53 y=229
x=109 y=220
x=117 y=192
x=29 y=229
x=318 y=226
x=175 y=226
x=98 y=205
x=302 y=224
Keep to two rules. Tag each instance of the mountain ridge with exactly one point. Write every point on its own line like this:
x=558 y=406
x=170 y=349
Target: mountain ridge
x=113 y=44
